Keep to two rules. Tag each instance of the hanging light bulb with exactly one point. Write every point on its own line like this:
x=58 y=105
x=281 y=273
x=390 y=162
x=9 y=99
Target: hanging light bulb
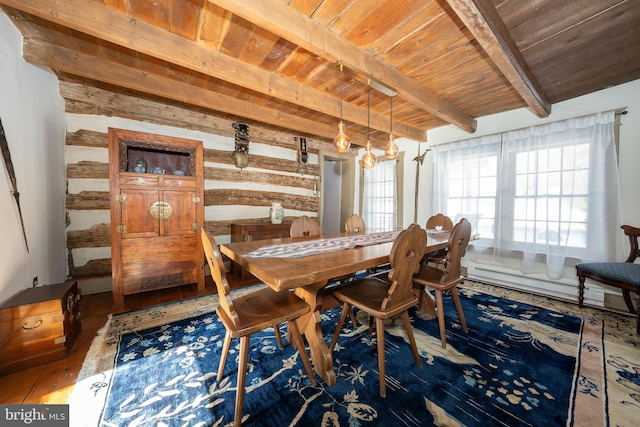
x=369 y=159
x=342 y=141
x=391 y=149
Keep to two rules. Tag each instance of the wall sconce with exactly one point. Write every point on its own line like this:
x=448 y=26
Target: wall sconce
x=303 y=156
x=240 y=154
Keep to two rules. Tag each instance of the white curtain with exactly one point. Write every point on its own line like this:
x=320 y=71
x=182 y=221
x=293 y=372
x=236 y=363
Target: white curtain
x=540 y=199
x=380 y=197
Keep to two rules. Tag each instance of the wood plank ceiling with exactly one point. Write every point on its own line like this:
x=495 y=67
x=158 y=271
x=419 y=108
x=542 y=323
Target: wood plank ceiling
x=275 y=62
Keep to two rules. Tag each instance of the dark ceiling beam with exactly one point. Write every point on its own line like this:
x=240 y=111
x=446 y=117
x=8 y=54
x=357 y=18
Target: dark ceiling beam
x=484 y=22
x=287 y=22
x=71 y=62
x=108 y=24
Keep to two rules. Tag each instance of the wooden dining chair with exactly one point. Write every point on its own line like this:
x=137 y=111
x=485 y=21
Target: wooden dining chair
x=624 y=275
x=305 y=226
x=355 y=224
x=242 y=316
x=381 y=300
x=438 y=222
x=447 y=279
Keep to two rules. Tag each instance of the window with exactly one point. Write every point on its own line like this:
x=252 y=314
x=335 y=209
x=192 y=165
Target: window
x=551 y=196
x=470 y=184
x=379 y=196
x=548 y=191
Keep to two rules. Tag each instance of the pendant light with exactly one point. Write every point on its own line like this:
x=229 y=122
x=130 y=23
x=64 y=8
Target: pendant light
x=391 y=149
x=369 y=159
x=342 y=141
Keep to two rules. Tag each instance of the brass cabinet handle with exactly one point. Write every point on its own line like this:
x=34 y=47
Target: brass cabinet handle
x=25 y=325
x=161 y=210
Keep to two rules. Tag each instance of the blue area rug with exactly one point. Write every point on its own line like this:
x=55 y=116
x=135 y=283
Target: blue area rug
x=526 y=361
x=519 y=365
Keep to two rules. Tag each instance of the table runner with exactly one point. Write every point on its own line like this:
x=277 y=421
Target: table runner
x=323 y=245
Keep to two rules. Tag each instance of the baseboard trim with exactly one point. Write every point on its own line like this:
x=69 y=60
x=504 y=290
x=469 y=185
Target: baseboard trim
x=562 y=289
x=95 y=285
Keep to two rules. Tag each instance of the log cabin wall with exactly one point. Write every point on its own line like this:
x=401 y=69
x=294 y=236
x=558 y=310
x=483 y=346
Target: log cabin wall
x=230 y=193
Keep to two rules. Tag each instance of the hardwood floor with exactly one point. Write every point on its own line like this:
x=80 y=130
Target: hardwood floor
x=53 y=382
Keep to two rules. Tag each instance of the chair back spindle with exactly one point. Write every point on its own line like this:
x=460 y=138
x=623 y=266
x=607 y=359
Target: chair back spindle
x=218 y=273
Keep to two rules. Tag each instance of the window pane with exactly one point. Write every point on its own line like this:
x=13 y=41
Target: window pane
x=379 y=197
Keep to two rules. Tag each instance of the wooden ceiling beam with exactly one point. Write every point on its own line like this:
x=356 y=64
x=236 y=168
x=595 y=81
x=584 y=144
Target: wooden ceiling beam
x=287 y=22
x=87 y=66
x=105 y=23
x=484 y=22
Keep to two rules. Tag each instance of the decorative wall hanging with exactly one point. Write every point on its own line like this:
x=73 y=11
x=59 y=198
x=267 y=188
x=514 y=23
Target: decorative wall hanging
x=6 y=154
x=241 y=152
x=303 y=156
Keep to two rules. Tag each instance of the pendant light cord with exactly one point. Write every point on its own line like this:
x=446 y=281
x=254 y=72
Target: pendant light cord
x=368 y=108
x=341 y=91
x=391 y=118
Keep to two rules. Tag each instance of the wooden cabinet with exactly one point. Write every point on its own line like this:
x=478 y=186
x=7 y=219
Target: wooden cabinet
x=246 y=231
x=38 y=325
x=155 y=217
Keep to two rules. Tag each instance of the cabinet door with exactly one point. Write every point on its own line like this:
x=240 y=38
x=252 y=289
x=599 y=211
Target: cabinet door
x=180 y=213
x=136 y=213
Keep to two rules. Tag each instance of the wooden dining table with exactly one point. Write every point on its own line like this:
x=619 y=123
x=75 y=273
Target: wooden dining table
x=309 y=275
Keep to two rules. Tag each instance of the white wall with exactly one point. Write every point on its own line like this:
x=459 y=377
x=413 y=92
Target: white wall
x=32 y=114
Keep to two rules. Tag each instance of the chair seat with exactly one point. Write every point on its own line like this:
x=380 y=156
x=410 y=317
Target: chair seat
x=624 y=275
x=429 y=273
x=619 y=271
x=368 y=294
x=262 y=309
x=430 y=277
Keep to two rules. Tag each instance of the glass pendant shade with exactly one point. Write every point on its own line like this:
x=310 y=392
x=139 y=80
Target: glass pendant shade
x=391 y=149
x=342 y=141
x=369 y=159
